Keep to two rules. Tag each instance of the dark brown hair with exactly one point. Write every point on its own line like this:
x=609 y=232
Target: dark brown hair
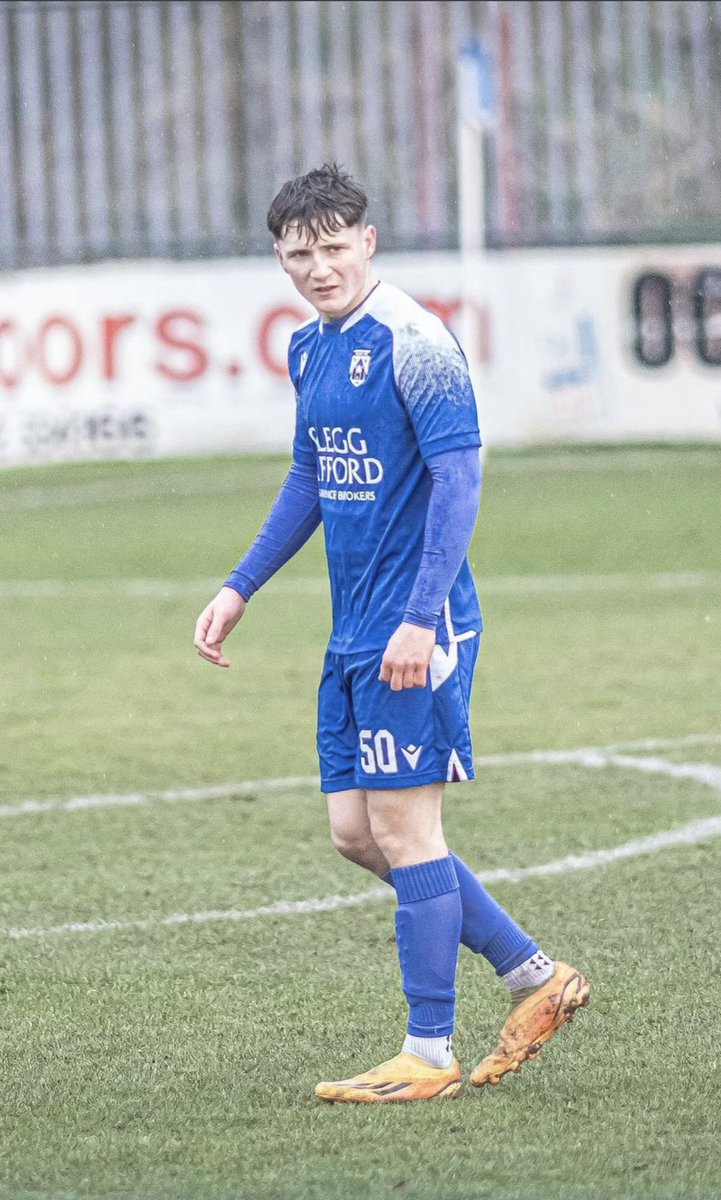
x=326 y=200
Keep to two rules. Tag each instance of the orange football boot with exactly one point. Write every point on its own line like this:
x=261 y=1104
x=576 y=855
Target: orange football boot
x=533 y=1022
x=405 y=1077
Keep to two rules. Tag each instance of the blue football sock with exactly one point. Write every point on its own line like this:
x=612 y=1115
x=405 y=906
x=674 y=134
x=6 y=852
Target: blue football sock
x=428 y=926
x=486 y=928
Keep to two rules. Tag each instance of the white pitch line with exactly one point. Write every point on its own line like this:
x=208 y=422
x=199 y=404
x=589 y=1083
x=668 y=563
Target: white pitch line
x=151 y=589
x=694 y=832
x=610 y=461
x=684 y=835
x=136 y=589
x=101 y=491
x=281 y=908
x=705 y=773
x=585 y=756
x=227 y=479
x=657 y=581
x=702 y=830
x=677 y=743
x=220 y=791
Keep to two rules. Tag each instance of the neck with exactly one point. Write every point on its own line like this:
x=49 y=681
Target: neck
x=363 y=295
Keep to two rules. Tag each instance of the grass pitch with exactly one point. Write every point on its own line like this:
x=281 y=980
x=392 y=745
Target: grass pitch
x=154 y=1048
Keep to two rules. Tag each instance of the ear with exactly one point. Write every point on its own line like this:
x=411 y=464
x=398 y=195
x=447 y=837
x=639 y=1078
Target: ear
x=279 y=255
x=369 y=240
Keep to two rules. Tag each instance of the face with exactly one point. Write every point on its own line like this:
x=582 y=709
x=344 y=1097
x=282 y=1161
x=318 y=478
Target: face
x=333 y=272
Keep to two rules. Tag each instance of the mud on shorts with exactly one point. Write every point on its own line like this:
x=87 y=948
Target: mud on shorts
x=371 y=737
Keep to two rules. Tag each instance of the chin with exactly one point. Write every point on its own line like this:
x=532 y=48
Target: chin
x=333 y=311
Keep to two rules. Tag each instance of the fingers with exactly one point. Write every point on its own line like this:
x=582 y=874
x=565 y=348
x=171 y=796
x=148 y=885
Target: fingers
x=202 y=625
x=406 y=657
x=401 y=675
x=212 y=654
x=215 y=623
x=208 y=638
x=420 y=676
x=216 y=631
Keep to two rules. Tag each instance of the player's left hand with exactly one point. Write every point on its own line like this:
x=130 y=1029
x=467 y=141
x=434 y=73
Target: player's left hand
x=406 y=658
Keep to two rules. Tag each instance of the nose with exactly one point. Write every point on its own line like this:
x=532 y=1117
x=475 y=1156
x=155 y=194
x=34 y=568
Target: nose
x=320 y=268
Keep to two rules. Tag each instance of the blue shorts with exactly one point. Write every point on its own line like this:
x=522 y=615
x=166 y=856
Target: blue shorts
x=371 y=737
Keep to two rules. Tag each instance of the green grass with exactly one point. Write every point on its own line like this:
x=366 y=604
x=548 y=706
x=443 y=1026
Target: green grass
x=159 y=1061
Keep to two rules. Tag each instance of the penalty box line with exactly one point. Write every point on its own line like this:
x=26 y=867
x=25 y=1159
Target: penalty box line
x=692 y=833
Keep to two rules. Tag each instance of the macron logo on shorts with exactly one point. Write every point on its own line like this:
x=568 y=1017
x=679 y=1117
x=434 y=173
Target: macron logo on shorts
x=411 y=755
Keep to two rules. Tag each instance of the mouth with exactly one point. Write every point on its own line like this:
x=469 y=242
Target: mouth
x=325 y=291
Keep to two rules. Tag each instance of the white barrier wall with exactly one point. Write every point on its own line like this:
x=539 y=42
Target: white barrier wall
x=599 y=344
x=156 y=358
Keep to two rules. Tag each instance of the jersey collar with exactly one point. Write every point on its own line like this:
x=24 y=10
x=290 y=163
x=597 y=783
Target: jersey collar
x=342 y=323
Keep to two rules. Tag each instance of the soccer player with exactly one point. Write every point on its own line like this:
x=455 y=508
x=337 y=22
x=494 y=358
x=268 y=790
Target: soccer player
x=386 y=457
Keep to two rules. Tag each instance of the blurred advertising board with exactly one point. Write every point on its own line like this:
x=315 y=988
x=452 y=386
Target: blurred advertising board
x=142 y=359
x=598 y=344
x=138 y=359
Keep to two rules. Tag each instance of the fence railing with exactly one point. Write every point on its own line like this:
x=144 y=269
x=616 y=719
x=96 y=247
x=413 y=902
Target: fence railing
x=164 y=128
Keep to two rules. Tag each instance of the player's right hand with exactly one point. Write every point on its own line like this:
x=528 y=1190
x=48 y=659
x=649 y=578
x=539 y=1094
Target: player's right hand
x=215 y=623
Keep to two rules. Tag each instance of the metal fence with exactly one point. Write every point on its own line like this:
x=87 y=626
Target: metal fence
x=164 y=128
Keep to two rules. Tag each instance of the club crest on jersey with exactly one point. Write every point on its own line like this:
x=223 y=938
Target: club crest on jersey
x=359 y=367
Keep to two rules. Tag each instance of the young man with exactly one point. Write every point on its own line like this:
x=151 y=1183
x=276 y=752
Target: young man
x=386 y=456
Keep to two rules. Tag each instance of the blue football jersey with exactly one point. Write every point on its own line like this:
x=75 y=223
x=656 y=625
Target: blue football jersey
x=378 y=392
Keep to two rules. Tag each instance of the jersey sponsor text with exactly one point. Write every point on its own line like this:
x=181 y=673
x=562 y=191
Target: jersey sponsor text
x=343 y=457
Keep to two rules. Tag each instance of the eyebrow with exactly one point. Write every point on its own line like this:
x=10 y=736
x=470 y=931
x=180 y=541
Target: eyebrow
x=304 y=249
